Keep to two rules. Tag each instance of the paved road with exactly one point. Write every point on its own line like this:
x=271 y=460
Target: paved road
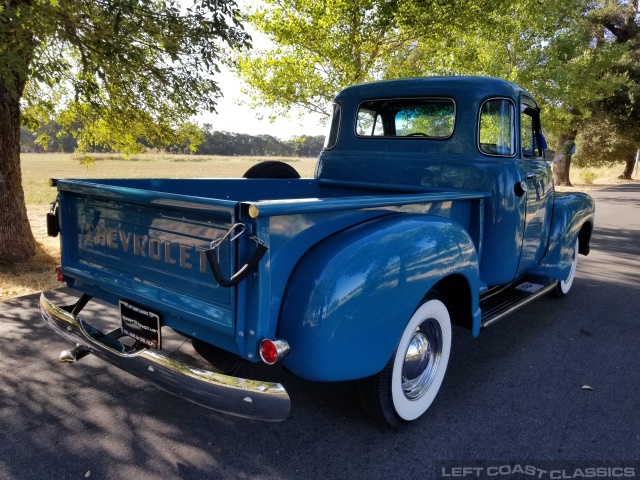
x=513 y=395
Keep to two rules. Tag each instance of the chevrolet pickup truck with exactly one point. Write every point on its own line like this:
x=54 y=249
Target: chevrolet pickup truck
x=432 y=204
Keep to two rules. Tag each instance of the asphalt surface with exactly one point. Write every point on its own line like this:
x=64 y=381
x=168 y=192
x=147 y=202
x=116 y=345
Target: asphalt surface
x=516 y=395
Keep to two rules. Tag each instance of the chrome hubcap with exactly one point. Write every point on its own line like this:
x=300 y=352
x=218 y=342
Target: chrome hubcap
x=421 y=359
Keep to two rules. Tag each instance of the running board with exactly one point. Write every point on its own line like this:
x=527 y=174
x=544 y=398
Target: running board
x=509 y=299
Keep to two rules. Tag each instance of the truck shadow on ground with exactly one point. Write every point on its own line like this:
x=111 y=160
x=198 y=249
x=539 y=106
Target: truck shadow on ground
x=616 y=241
x=619 y=194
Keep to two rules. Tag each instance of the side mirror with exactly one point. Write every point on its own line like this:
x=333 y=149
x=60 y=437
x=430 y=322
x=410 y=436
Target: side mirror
x=542 y=142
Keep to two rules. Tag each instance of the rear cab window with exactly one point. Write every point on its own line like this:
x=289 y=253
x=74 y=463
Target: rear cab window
x=406 y=118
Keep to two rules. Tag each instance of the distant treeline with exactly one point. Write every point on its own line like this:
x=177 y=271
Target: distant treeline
x=225 y=143
x=215 y=143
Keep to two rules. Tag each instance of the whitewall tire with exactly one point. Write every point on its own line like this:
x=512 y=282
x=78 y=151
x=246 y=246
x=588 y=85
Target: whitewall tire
x=407 y=386
x=564 y=286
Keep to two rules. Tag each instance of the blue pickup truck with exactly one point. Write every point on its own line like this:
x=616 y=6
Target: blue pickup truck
x=432 y=204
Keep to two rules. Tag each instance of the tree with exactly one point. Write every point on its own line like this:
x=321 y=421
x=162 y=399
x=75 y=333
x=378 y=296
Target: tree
x=319 y=48
x=612 y=133
x=548 y=48
x=49 y=137
x=122 y=69
x=305 y=146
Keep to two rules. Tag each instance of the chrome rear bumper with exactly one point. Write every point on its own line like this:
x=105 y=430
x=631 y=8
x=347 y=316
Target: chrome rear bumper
x=223 y=393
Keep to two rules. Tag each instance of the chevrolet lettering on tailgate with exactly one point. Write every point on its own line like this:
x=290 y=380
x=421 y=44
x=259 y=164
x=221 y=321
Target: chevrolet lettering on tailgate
x=155 y=248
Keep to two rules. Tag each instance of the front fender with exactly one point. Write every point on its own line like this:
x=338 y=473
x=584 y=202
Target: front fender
x=350 y=298
x=573 y=217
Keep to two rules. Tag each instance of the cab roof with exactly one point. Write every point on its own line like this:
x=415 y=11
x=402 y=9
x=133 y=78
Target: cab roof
x=433 y=86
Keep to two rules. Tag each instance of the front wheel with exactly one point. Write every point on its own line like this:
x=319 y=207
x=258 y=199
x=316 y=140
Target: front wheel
x=563 y=286
x=407 y=386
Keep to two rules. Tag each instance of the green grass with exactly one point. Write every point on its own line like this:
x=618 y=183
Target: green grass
x=37 y=168
x=595 y=177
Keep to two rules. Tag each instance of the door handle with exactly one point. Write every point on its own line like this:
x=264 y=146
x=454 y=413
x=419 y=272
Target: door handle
x=531 y=176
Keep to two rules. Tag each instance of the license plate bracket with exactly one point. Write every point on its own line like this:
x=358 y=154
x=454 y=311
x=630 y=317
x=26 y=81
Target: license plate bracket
x=141 y=324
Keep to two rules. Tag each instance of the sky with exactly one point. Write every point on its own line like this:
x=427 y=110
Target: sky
x=233 y=117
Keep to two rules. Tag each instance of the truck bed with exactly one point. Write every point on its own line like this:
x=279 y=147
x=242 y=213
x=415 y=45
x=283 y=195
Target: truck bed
x=145 y=241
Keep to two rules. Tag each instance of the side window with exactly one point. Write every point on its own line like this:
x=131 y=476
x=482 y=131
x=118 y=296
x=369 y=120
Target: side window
x=530 y=131
x=497 y=128
x=334 y=127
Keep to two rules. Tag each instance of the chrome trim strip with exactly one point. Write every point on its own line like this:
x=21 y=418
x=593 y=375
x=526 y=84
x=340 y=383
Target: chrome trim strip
x=234 y=396
x=518 y=305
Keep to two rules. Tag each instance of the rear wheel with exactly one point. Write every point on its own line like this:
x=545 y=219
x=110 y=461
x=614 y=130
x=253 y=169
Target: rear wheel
x=563 y=286
x=407 y=386
x=221 y=360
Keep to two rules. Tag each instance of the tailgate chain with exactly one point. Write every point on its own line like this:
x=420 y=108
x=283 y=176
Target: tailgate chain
x=235 y=232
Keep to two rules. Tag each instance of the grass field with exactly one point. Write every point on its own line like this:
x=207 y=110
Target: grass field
x=37 y=169
x=37 y=274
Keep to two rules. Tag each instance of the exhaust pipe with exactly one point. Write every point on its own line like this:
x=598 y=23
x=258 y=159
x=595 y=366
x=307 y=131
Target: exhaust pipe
x=75 y=354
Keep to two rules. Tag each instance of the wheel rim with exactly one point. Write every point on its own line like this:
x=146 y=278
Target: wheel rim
x=421 y=359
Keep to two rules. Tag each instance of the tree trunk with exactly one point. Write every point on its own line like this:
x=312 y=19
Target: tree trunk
x=630 y=162
x=16 y=239
x=561 y=161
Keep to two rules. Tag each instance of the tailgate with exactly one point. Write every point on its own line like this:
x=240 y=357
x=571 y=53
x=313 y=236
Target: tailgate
x=148 y=247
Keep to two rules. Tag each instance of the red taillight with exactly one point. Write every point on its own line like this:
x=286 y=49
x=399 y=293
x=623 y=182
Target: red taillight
x=268 y=352
x=272 y=351
x=59 y=274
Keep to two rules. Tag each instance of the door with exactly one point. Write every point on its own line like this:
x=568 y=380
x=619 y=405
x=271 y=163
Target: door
x=536 y=173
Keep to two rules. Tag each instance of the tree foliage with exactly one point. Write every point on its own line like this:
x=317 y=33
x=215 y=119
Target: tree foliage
x=545 y=47
x=48 y=137
x=551 y=48
x=228 y=143
x=318 y=48
x=213 y=143
x=122 y=69
x=612 y=132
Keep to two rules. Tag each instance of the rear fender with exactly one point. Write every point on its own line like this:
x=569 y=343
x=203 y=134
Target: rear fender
x=350 y=298
x=573 y=217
